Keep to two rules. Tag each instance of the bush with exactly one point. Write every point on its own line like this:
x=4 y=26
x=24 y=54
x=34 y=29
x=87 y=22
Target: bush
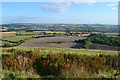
x=7 y=45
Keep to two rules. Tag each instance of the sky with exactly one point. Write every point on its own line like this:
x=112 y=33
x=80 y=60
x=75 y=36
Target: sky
x=60 y=12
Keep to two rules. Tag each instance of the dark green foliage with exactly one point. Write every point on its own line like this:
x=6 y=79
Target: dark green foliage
x=11 y=76
x=7 y=45
x=103 y=39
x=61 y=34
x=100 y=39
x=86 y=44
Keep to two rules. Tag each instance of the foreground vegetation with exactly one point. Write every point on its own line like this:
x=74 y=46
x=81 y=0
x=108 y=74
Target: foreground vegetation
x=59 y=63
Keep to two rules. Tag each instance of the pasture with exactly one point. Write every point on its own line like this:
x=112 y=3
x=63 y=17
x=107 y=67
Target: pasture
x=10 y=39
x=8 y=34
x=49 y=31
x=111 y=33
x=16 y=38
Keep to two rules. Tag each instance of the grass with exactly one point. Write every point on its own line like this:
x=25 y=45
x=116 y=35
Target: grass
x=72 y=51
x=112 y=35
x=18 y=74
x=0 y=43
x=67 y=51
x=4 y=42
x=30 y=33
x=13 y=40
x=8 y=34
x=16 y=38
x=48 y=32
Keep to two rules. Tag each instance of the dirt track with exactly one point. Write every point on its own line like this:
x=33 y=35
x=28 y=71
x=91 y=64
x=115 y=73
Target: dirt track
x=53 y=42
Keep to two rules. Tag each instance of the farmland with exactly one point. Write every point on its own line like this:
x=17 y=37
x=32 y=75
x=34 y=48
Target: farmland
x=16 y=38
x=53 y=42
x=10 y=39
x=103 y=47
x=55 y=35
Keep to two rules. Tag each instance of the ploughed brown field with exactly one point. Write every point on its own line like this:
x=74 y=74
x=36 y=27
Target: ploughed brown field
x=54 y=42
x=104 y=47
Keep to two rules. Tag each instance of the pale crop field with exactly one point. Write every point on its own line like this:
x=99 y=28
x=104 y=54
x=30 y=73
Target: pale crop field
x=4 y=42
x=48 y=31
x=111 y=33
x=8 y=34
x=12 y=39
x=58 y=51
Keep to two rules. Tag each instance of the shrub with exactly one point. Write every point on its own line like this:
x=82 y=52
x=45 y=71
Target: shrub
x=7 y=45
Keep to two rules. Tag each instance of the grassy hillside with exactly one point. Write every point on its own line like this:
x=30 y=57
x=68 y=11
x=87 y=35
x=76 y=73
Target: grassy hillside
x=58 y=63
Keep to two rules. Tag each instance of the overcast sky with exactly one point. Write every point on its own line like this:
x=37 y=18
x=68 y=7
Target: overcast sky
x=60 y=12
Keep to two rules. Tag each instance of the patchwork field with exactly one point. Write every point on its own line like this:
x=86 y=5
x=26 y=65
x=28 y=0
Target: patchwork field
x=10 y=39
x=53 y=42
x=7 y=34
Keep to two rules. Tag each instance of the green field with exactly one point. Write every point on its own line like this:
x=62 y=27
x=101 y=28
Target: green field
x=112 y=35
x=4 y=42
x=16 y=38
x=10 y=39
x=8 y=34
